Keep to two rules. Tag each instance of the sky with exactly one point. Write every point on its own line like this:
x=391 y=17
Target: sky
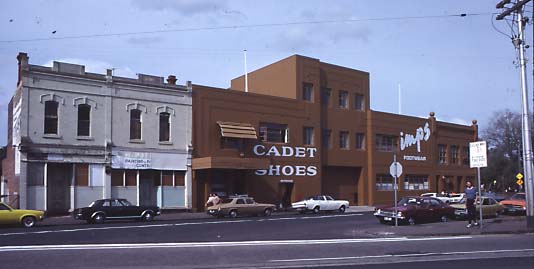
x=461 y=68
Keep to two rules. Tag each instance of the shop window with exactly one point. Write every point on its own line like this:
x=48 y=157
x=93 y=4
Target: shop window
x=386 y=143
x=326 y=95
x=51 y=117
x=307 y=92
x=442 y=154
x=81 y=174
x=135 y=124
x=131 y=178
x=307 y=136
x=84 y=120
x=327 y=138
x=179 y=178
x=359 y=102
x=273 y=132
x=164 y=127
x=416 y=182
x=231 y=143
x=384 y=182
x=465 y=156
x=360 y=141
x=343 y=101
x=117 y=178
x=344 y=140
x=167 y=178
x=454 y=155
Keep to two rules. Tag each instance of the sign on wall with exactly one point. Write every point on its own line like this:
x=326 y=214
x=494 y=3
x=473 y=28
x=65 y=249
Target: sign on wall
x=478 y=154
x=131 y=160
x=409 y=140
x=286 y=151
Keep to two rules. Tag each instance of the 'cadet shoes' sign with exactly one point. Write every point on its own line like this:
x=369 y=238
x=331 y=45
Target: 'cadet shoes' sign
x=286 y=151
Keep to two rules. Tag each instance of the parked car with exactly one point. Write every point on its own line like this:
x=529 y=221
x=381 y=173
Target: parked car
x=240 y=205
x=412 y=210
x=498 y=197
x=490 y=208
x=113 y=209
x=320 y=203
x=456 y=198
x=443 y=198
x=517 y=204
x=26 y=218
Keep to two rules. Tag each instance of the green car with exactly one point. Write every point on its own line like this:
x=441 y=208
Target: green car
x=490 y=208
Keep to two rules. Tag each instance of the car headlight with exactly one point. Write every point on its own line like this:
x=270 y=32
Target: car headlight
x=524 y=208
x=399 y=214
x=219 y=209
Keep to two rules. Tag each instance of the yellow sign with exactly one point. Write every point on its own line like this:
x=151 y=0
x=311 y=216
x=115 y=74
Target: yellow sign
x=519 y=182
x=519 y=176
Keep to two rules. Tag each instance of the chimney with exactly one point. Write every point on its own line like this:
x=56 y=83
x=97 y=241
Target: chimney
x=189 y=85
x=23 y=64
x=171 y=80
x=109 y=75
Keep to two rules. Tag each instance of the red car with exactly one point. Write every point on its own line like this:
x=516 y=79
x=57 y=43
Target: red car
x=414 y=210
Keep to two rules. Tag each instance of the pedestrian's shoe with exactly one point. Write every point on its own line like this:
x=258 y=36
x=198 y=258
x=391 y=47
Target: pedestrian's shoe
x=469 y=225
x=476 y=223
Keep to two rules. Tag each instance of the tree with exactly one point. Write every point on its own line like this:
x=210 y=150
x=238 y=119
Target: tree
x=503 y=135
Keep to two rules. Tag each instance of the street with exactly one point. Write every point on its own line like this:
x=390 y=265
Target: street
x=324 y=240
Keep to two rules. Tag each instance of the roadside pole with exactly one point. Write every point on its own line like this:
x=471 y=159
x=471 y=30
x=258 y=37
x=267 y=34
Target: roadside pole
x=478 y=158
x=479 y=194
x=395 y=170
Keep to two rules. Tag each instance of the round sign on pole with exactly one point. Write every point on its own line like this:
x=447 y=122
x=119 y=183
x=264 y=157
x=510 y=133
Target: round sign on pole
x=395 y=169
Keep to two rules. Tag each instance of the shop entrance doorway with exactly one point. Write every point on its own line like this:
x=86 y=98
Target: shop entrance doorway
x=285 y=190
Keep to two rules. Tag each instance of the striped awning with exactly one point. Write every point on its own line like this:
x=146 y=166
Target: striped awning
x=237 y=130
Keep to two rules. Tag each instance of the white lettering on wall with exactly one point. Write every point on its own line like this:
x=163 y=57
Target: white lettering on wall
x=421 y=134
x=286 y=170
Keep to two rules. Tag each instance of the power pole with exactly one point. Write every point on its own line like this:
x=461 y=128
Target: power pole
x=519 y=44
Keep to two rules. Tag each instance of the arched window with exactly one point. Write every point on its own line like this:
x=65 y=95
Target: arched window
x=135 y=124
x=84 y=120
x=164 y=126
x=51 y=117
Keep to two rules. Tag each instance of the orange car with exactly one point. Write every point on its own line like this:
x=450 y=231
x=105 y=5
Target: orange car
x=517 y=204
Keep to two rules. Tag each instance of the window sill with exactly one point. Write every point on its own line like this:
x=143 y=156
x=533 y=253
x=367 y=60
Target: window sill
x=87 y=138
x=52 y=136
x=166 y=143
x=137 y=141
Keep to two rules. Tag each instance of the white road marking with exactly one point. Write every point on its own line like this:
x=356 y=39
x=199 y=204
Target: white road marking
x=217 y=244
x=408 y=255
x=169 y=225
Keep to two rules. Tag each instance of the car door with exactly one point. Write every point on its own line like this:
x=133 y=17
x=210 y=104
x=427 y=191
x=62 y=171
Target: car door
x=436 y=209
x=331 y=204
x=8 y=215
x=129 y=210
x=423 y=212
x=241 y=207
x=251 y=207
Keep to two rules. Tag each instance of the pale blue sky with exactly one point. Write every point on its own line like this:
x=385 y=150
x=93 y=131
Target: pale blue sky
x=459 y=67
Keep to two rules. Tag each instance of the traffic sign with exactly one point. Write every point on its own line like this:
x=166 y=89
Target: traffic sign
x=395 y=169
x=519 y=182
x=519 y=176
x=478 y=154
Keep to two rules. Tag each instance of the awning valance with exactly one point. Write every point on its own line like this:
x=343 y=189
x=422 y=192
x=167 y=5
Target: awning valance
x=237 y=130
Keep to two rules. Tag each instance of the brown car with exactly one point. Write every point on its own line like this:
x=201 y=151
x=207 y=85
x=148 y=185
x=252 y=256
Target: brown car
x=414 y=210
x=240 y=205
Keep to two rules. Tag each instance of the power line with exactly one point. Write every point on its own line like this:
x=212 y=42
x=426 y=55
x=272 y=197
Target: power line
x=193 y=29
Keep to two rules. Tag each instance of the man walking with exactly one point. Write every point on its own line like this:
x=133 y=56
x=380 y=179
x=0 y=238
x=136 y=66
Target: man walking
x=470 y=196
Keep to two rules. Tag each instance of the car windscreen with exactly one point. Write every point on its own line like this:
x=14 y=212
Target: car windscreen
x=227 y=201
x=409 y=201
x=125 y=202
x=96 y=203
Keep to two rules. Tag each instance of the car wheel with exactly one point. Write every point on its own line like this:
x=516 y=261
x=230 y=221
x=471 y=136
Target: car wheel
x=316 y=210
x=444 y=218
x=342 y=209
x=411 y=221
x=28 y=222
x=148 y=216
x=99 y=218
x=267 y=212
x=382 y=221
x=233 y=213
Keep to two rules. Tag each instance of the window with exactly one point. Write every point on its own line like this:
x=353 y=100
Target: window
x=386 y=142
x=117 y=177
x=359 y=102
x=442 y=154
x=240 y=202
x=327 y=138
x=131 y=178
x=384 y=182
x=454 y=155
x=415 y=182
x=179 y=178
x=275 y=133
x=167 y=178
x=307 y=92
x=164 y=127
x=231 y=143
x=465 y=156
x=51 y=117
x=81 y=174
x=344 y=140
x=250 y=202
x=343 y=99
x=326 y=95
x=3 y=207
x=360 y=141
x=84 y=120
x=307 y=136
x=135 y=124
x=435 y=203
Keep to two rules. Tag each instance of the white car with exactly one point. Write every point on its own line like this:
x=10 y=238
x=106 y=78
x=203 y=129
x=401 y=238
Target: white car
x=456 y=198
x=320 y=203
x=444 y=199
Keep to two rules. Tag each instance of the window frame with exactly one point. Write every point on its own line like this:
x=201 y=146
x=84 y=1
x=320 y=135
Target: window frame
x=308 y=137
x=307 y=92
x=421 y=181
x=359 y=100
x=382 y=184
x=268 y=127
x=51 y=118
x=140 y=123
x=87 y=121
x=326 y=138
x=386 y=147
x=344 y=134
x=442 y=154
x=343 y=103
x=360 y=141
x=168 y=126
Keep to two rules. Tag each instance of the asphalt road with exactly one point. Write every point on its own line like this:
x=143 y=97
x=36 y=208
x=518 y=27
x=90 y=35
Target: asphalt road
x=329 y=240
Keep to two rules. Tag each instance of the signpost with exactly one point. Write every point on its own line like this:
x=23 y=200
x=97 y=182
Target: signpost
x=395 y=170
x=478 y=158
x=519 y=181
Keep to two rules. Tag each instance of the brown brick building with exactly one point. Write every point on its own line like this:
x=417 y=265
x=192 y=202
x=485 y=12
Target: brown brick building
x=305 y=127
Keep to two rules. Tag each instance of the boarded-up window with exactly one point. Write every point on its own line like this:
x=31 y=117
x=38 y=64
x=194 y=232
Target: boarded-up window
x=84 y=120
x=135 y=124
x=51 y=117
x=117 y=178
x=164 y=127
x=131 y=177
x=167 y=178
x=179 y=178
x=81 y=174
